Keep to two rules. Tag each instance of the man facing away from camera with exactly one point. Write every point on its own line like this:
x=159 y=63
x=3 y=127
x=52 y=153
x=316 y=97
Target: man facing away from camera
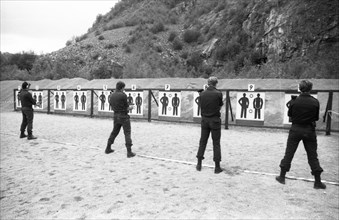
x=120 y=106
x=304 y=112
x=27 y=101
x=210 y=101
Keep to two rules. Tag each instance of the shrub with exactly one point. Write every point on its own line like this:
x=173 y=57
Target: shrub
x=191 y=36
x=177 y=44
x=102 y=72
x=110 y=46
x=172 y=36
x=95 y=56
x=101 y=37
x=157 y=27
x=97 y=32
x=184 y=55
x=81 y=38
x=195 y=61
x=68 y=43
x=127 y=49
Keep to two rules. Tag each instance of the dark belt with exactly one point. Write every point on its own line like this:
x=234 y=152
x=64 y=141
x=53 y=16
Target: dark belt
x=120 y=113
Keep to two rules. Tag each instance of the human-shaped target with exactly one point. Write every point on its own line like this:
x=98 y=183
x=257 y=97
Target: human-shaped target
x=196 y=105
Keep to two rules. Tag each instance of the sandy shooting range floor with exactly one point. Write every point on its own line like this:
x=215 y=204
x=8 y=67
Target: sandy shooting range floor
x=64 y=174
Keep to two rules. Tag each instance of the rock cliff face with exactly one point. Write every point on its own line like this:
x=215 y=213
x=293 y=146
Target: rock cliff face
x=294 y=28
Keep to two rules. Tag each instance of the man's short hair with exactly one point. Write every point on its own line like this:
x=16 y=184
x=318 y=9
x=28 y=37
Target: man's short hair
x=24 y=85
x=120 y=85
x=212 y=81
x=305 y=86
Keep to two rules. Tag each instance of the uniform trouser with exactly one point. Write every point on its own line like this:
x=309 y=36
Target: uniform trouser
x=121 y=120
x=210 y=125
x=27 y=120
x=307 y=134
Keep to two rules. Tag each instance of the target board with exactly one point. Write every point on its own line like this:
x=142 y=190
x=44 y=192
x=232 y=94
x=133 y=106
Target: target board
x=250 y=108
x=80 y=100
x=169 y=104
x=59 y=100
x=17 y=99
x=135 y=98
x=38 y=97
x=103 y=101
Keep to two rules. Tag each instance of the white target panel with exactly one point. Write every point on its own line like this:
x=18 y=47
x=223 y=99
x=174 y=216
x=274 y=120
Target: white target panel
x=59 y=100
x=103 y=101
x=80 y=100
x=250 y=106
x=135 y=98
x=169 y=104
x=38 y=97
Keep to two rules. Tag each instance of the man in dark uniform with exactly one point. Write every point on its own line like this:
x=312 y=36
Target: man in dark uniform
x=211 y=101
x=304 y=112
x=118 y=101
x=27 y=111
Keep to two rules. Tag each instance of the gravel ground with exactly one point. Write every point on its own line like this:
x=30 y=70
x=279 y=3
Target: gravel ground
x=64 y=174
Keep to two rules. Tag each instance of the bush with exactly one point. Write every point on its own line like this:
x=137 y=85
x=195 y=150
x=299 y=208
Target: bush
x=177 y=44
x=127 y=49
x=102 y=72
x=97 y=33
x=68 y=43
x=172 y=36
x=101 y=37
x=157 y=27
x=195 y=61
x=110 y=46
x=81 y=38
x=191 y=36
x=184 y=55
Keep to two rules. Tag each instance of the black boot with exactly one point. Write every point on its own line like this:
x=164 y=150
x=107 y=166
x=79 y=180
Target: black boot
x=23 y=135
x=108 y=149
x=281 y=178
x=130 y=153
x=198 y=167
x=217 y=168
x=317 y=183
x=31 y=137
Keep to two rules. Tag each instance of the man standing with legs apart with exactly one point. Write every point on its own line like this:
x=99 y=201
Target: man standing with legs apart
x=27 y=111
x=118 y=101
x=304 y=112
x=210 y=101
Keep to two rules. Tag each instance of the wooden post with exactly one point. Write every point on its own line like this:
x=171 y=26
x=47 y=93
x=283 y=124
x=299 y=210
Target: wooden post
x=48 y=101
x=227 y=107
x=329 y=111
x=149 y=105
x=14 y=103
x=92 y=102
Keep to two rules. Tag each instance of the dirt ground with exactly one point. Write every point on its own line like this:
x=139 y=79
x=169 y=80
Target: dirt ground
x=64 y=174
